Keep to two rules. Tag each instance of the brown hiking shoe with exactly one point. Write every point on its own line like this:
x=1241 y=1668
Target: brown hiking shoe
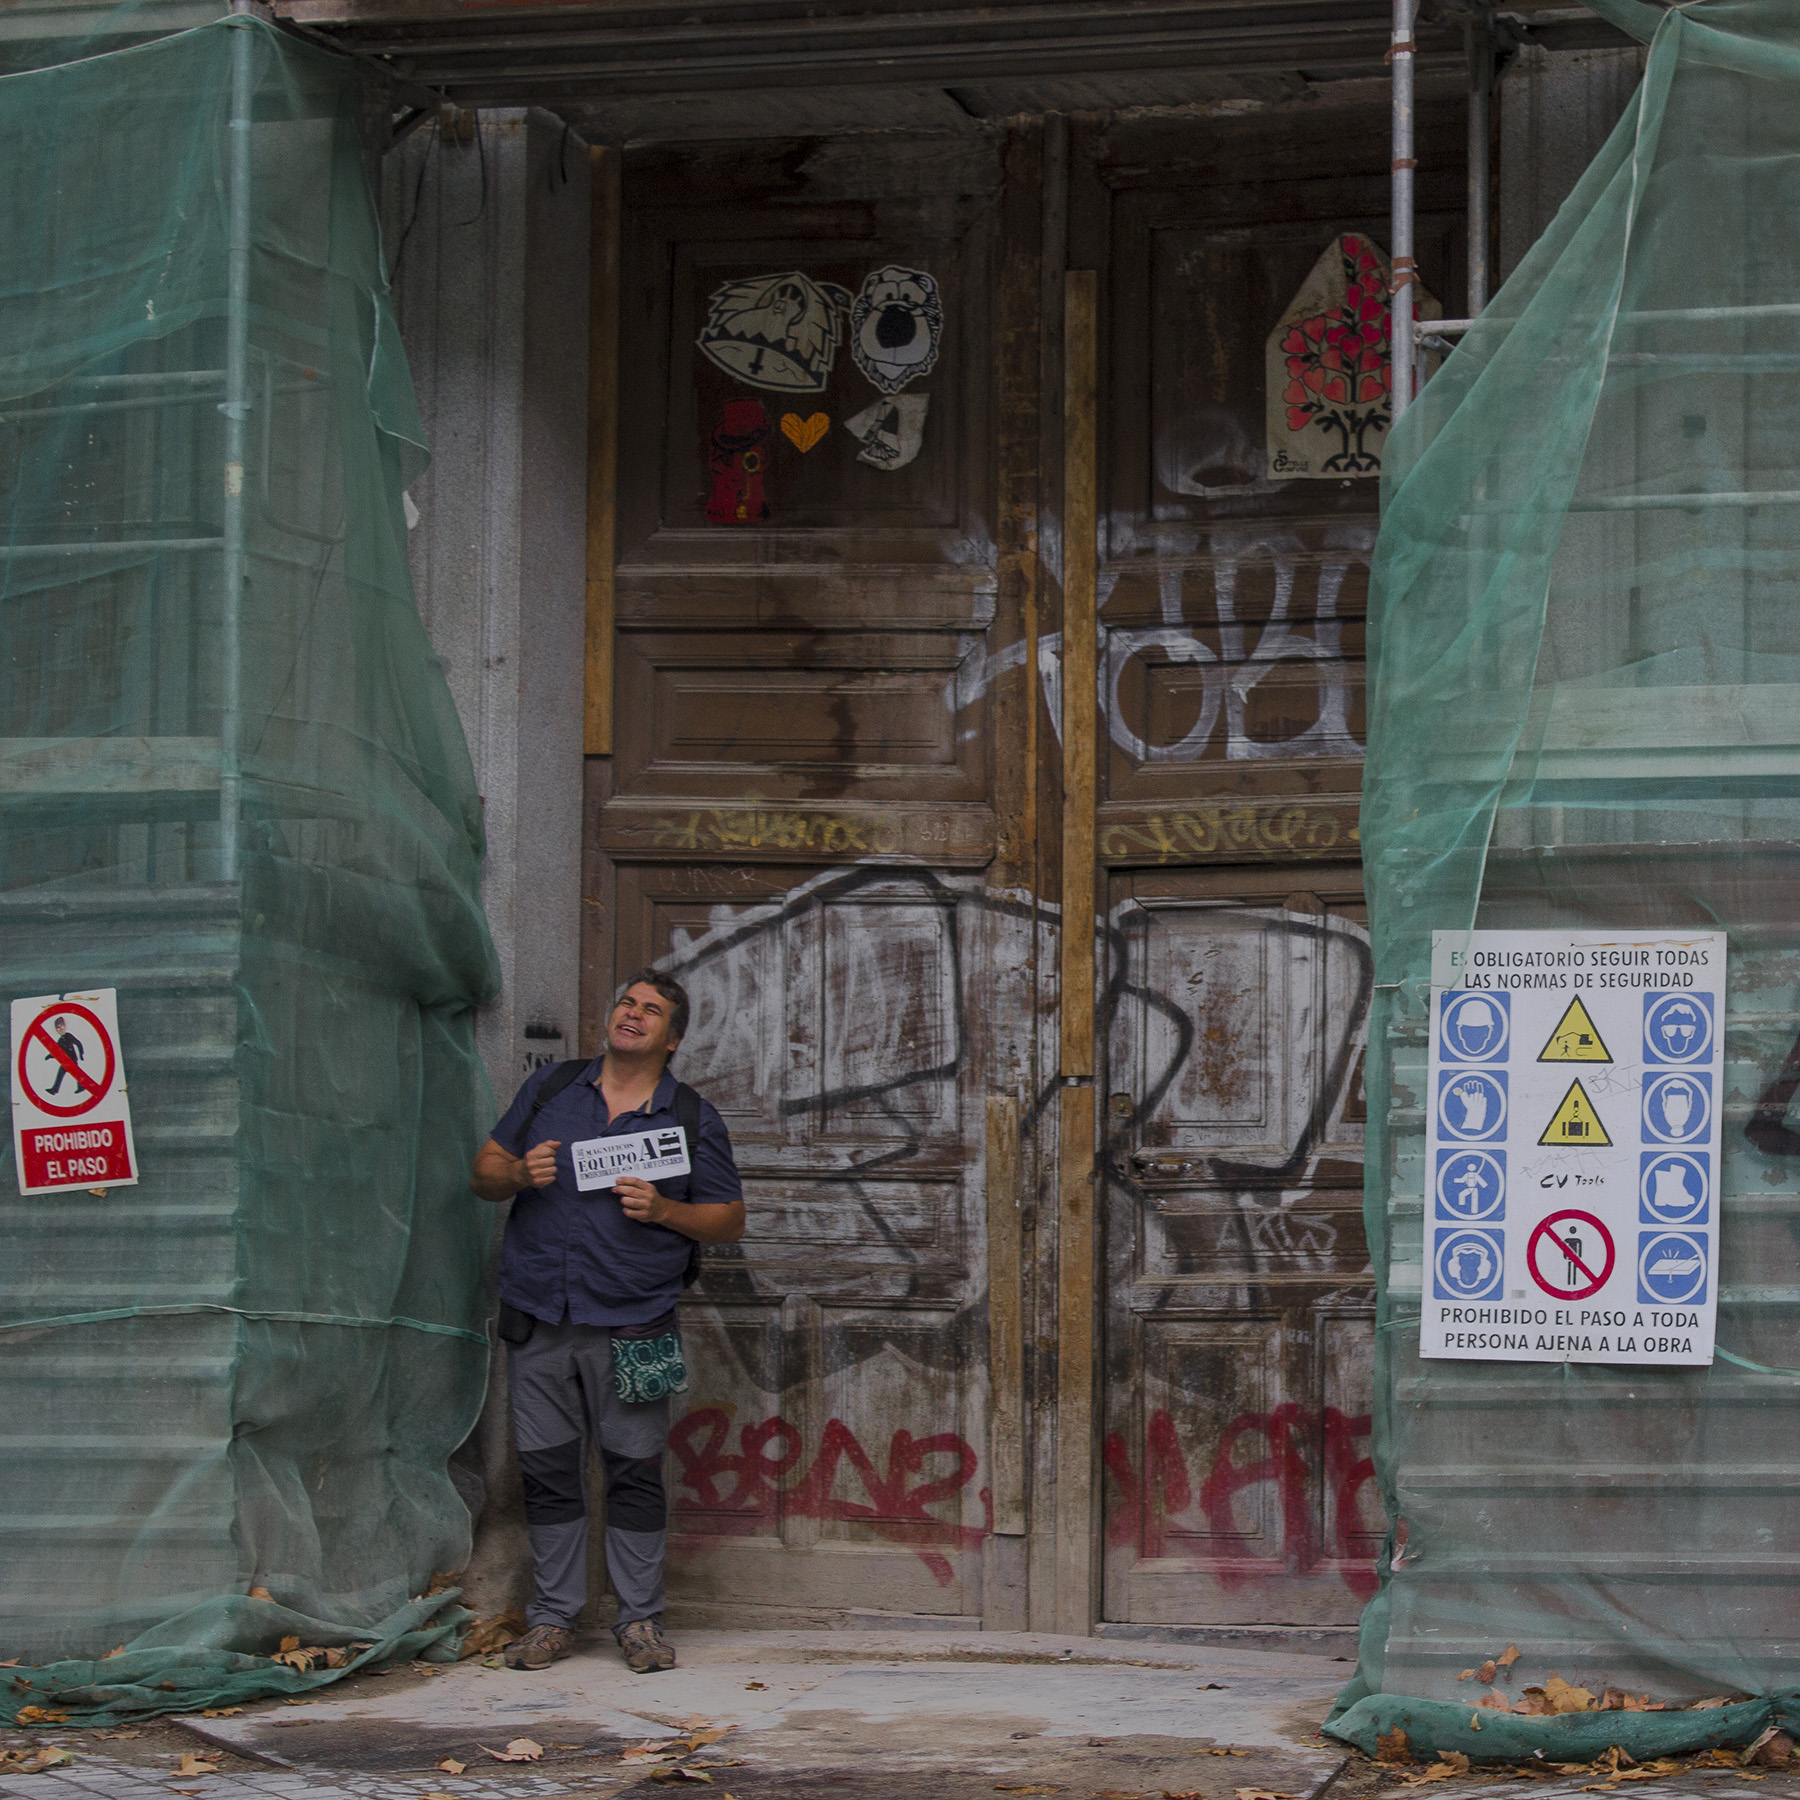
x=540 y=1647
x=645 y=1648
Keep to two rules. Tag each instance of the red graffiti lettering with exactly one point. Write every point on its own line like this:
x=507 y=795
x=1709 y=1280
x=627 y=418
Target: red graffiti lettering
x=1144 y=1508
x=895 y=1504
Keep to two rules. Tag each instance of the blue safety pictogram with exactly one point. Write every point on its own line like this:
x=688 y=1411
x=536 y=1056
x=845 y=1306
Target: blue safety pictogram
x=1677 y=1108
x=1468 y=1265
x=1471 y=1185
x=1674 y=1187
x=1678 y=1028
x=1671 y=1268
x=1473 y=1028
x=1472 y=1104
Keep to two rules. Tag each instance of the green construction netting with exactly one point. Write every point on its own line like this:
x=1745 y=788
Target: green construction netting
x=1584 y=712
x=233 y=787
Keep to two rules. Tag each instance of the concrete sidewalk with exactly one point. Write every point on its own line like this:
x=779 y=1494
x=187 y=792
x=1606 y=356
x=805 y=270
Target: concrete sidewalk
x=859 y=1716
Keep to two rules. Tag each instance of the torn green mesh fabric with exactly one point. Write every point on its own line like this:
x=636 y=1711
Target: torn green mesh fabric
x=247 y=805
x=1584 y=647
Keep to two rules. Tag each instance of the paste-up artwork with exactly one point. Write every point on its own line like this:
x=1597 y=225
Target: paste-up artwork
x=890 y=431
x=804 y=433
x=1329 y=405
x=779 y=332
x=737 y=462
x=896 y=324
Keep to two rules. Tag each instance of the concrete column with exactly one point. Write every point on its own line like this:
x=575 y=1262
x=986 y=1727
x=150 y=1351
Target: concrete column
x=489 y=226
x=487 y=230
x=1557 y=108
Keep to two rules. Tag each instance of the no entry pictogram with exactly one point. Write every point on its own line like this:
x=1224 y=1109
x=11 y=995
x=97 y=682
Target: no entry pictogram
x=1582 y=1245
x=88 y=1085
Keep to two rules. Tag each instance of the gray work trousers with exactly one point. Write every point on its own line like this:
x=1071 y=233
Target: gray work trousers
x=560 y=1380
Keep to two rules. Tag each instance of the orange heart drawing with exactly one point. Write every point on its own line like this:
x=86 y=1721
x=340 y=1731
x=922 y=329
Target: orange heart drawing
x=804 y=433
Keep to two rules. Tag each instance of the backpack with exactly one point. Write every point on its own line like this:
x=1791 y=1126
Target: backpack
x=687 y=1116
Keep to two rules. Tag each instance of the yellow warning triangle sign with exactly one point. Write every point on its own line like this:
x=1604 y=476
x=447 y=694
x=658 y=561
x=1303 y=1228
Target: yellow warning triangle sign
x=1576 y=1038
x=1575 y=1122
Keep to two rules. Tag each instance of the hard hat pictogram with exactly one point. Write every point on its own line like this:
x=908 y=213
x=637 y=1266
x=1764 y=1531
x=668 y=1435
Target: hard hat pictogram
x=1575 y=1122
x=1576 y=1038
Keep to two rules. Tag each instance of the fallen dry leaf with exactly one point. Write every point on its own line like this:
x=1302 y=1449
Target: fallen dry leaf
x=12 y=1662
x=706 y=1734
x=1495 y=1701
x=1565 y=1697
x=1488 y=1670
x=192 y=1764
x=651 y=1750
x=517 y=1750
x=488 y=1635
x=1393 y=1748
x=1535 y=1703
x=1451 y=1763
x=751 y=1687
x=290 y=1643
x=41 y=1715
x=1508 y=1657
x=33 y=1763
x=1773 y=1750
x=221 y=1712
x=260 y=1593
x=1261 y=1794
x=1706 y=1705
x=120 y=1651
x=118 y=1734
x=1185 y=1794
x=451 y=1766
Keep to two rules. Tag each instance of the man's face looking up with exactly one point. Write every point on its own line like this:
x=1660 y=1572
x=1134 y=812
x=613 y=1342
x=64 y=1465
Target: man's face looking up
x=639 y=1025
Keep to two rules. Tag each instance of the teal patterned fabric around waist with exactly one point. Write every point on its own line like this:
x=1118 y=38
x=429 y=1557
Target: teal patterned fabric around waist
x=646 y=1369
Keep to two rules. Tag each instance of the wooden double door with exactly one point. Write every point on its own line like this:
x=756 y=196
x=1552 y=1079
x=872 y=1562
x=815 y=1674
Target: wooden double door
x=1019 y=1336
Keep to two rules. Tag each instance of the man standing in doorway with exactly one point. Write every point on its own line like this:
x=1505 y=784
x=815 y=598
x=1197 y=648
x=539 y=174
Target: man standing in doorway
x=581 y=1270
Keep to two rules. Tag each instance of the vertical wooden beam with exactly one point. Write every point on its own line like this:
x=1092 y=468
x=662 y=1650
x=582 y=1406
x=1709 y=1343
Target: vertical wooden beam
x=1006 y=1318
x=602 y=449
x=1080 y=524
x=1077 y=1235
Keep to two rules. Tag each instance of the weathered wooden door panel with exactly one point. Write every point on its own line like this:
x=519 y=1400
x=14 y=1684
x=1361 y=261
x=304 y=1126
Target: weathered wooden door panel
x=802 y=703
x=831 y=1451
x=1238 y=1352
x=1238 y=1369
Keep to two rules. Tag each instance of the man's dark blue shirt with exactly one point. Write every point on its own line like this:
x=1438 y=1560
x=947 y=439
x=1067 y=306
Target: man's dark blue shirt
x=573 y=1255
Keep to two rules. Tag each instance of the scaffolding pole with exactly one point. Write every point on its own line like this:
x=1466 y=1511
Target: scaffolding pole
x=1480 y=44
x=236 y=409
x=1401 y=348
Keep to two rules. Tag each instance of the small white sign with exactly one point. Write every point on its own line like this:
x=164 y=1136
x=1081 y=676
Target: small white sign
x=1572 y=1165
x=649 y=1155
x=71 y=1114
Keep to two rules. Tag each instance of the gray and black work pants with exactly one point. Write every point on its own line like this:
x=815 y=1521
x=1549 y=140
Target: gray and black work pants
x=560 y=1380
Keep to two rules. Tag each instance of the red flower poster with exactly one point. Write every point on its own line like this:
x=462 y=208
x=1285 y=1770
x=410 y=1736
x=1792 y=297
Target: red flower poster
x=1328 y=400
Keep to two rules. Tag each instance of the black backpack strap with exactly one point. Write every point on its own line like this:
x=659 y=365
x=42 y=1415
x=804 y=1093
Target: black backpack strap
x=687 y=1116
x=562 y=1076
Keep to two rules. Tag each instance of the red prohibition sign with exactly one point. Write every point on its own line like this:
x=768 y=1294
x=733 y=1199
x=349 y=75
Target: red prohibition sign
x=1543 y=1230
x=96 y=1089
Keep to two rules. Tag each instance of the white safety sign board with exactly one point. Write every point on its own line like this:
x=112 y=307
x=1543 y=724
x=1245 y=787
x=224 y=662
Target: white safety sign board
x=649 y=1155
x=71 y=1113
x=1572 y=1161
